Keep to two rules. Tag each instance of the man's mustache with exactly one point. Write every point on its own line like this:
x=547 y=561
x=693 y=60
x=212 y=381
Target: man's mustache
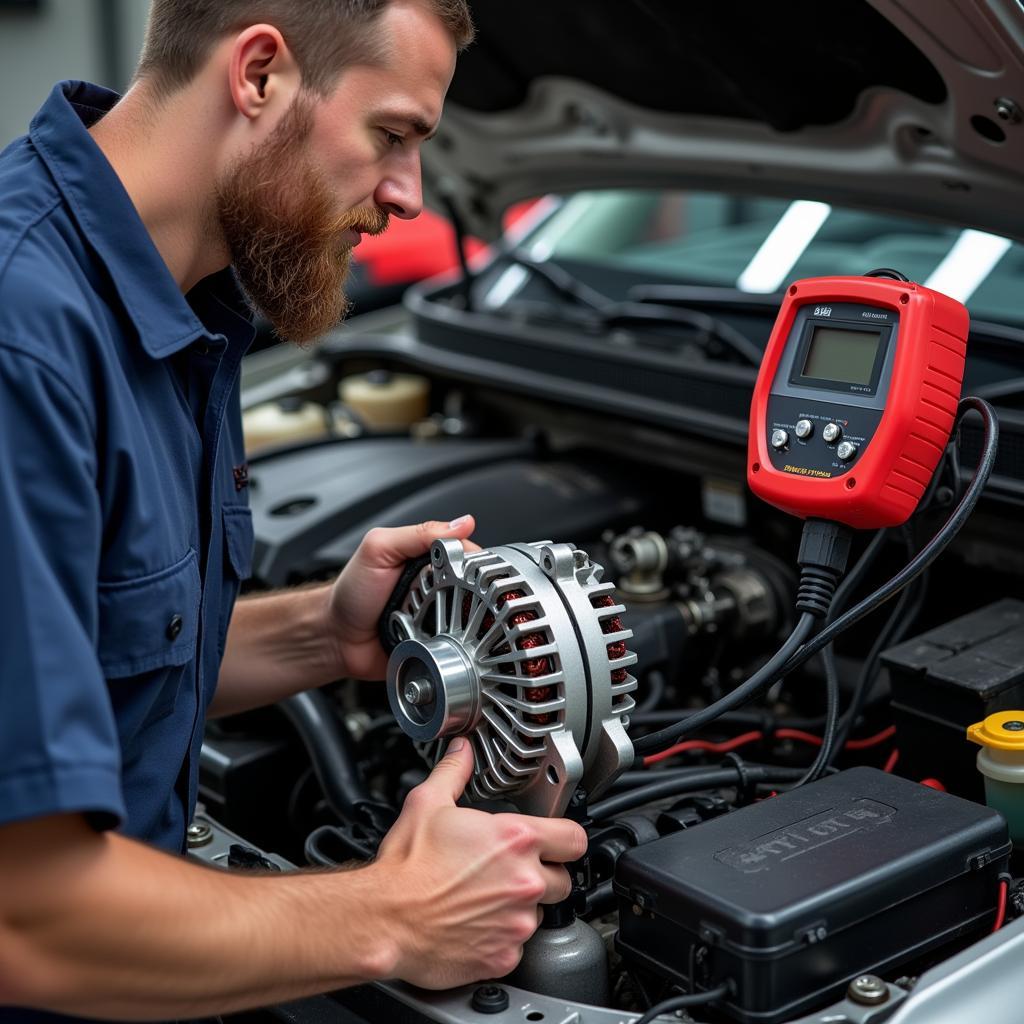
x=367 y=221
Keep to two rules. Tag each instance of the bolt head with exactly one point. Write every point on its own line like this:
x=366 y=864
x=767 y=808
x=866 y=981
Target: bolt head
x=198 y=834
x=490 y=999
x=418 y=691
x=1008 y=110
x=1016 y=725
x=868 y=990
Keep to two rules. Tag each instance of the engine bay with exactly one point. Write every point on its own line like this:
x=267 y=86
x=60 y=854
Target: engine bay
x=628 y=553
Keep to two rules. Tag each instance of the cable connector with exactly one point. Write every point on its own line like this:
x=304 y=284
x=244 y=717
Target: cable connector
x=824 y=551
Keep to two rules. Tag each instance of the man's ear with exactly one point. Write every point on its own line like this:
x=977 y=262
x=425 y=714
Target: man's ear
x=263 y=73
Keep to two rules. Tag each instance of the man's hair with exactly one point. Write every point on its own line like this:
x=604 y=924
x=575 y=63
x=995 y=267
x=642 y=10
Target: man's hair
x=324 y=35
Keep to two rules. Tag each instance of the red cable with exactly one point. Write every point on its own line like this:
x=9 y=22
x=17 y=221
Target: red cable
x=871 y=741
x=799 y=735
x=752 y=737
x=1004 y=890
x=861 y=744
x=715 y=748
x=891 y=762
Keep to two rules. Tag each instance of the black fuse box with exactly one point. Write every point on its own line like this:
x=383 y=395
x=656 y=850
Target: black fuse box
x=949 y=678
x=792 y=897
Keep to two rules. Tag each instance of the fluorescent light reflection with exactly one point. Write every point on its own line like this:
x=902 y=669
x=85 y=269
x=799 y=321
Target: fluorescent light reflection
x=511 y=280
x=785 y=244
x=973 y=257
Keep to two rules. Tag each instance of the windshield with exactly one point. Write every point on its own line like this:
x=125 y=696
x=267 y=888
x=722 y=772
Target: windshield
x=758 y=245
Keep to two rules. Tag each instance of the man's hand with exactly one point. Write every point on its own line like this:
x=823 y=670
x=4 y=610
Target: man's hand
x=279 y=644
x=465 y=885
x=361 y=591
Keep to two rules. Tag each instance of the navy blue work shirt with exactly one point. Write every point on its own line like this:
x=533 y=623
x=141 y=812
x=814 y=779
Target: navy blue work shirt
x=123 y=503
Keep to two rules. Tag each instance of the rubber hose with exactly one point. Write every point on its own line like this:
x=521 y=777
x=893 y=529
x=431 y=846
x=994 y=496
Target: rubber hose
x=331 y=750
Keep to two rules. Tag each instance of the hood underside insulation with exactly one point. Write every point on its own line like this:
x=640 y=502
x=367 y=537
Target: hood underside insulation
x=785 y=65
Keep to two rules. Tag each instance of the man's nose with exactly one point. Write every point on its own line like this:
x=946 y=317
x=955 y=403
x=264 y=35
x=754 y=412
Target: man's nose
x=401 y=192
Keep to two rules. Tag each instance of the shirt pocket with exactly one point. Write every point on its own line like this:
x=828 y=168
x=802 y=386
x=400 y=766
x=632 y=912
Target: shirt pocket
x=148 y=630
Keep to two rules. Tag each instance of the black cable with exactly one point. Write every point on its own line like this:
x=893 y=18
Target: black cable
x=895 y=275
x=763 y=677
x=829 y=737
x=674 y=1003
x=315 y=855
x=655 y=690
x=924 y=558
x=897 y=619
x=695 y=780
x=644 y=776
x=761 y=719
x=776 y=668
x=331 y=750
x=860 y=569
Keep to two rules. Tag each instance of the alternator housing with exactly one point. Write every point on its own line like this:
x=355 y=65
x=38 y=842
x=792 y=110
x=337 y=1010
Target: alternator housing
x=522 y=649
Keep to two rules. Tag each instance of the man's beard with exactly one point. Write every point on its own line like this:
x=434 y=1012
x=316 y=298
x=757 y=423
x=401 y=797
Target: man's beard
x=287 y=243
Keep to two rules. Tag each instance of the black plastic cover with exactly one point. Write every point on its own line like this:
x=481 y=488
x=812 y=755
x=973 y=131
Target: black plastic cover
x=791 y=897
x=312 y=504
x=949 y=678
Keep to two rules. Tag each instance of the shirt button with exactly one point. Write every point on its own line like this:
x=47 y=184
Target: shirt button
x=174 y=627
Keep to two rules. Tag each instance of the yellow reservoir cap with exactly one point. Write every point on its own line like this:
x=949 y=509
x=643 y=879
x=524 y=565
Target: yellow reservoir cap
x=1002 y=731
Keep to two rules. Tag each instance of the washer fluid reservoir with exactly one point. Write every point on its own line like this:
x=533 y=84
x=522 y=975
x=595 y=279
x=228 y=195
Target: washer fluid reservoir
x=1001 y=761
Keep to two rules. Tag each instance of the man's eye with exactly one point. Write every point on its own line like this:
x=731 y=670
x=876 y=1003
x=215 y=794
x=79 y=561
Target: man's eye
x=392 y=139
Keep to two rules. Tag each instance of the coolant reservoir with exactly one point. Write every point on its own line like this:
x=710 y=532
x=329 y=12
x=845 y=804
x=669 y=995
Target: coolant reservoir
x=285 y=422
x=1001 y=761
x=386 y=401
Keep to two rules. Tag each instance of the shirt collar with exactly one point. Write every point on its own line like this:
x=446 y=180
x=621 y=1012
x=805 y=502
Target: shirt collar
x=164 y=318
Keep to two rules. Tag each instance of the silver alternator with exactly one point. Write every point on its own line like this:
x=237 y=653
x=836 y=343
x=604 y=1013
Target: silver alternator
x=522 y=649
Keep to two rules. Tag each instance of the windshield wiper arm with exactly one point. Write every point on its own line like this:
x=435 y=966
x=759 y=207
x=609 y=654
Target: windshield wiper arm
x=608 y=312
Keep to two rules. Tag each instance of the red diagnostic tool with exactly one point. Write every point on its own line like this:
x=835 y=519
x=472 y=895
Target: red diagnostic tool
x=856 y=399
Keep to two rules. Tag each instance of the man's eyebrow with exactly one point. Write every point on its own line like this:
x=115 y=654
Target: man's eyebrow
x=414 y=121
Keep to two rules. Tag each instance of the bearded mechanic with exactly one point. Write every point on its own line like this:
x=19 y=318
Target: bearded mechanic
x=262 y=135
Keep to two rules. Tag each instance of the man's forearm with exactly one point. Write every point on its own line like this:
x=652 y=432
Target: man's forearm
x=277 y=645
x=100 y=925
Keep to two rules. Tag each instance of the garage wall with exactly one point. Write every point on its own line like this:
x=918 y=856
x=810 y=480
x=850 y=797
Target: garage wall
x=44 y=41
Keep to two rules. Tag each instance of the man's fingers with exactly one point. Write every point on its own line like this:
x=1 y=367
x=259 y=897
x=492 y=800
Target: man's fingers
x=561 y=840
x=557 y=884
x=391 y=546
x=452 y=773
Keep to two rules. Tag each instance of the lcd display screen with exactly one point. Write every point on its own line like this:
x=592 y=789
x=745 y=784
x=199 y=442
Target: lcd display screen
x=843 y=356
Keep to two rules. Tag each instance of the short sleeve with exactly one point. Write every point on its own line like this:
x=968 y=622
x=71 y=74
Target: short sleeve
x=59 y=748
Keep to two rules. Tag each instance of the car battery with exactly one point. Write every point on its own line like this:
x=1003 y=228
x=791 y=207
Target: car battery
x=946 y=680
x=790 y=898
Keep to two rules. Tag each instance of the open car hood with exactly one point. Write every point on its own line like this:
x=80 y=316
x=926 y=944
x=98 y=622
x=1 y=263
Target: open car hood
x=908 y=106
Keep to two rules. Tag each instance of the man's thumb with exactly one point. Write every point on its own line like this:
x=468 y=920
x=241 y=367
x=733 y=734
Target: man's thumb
x=452 y=773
